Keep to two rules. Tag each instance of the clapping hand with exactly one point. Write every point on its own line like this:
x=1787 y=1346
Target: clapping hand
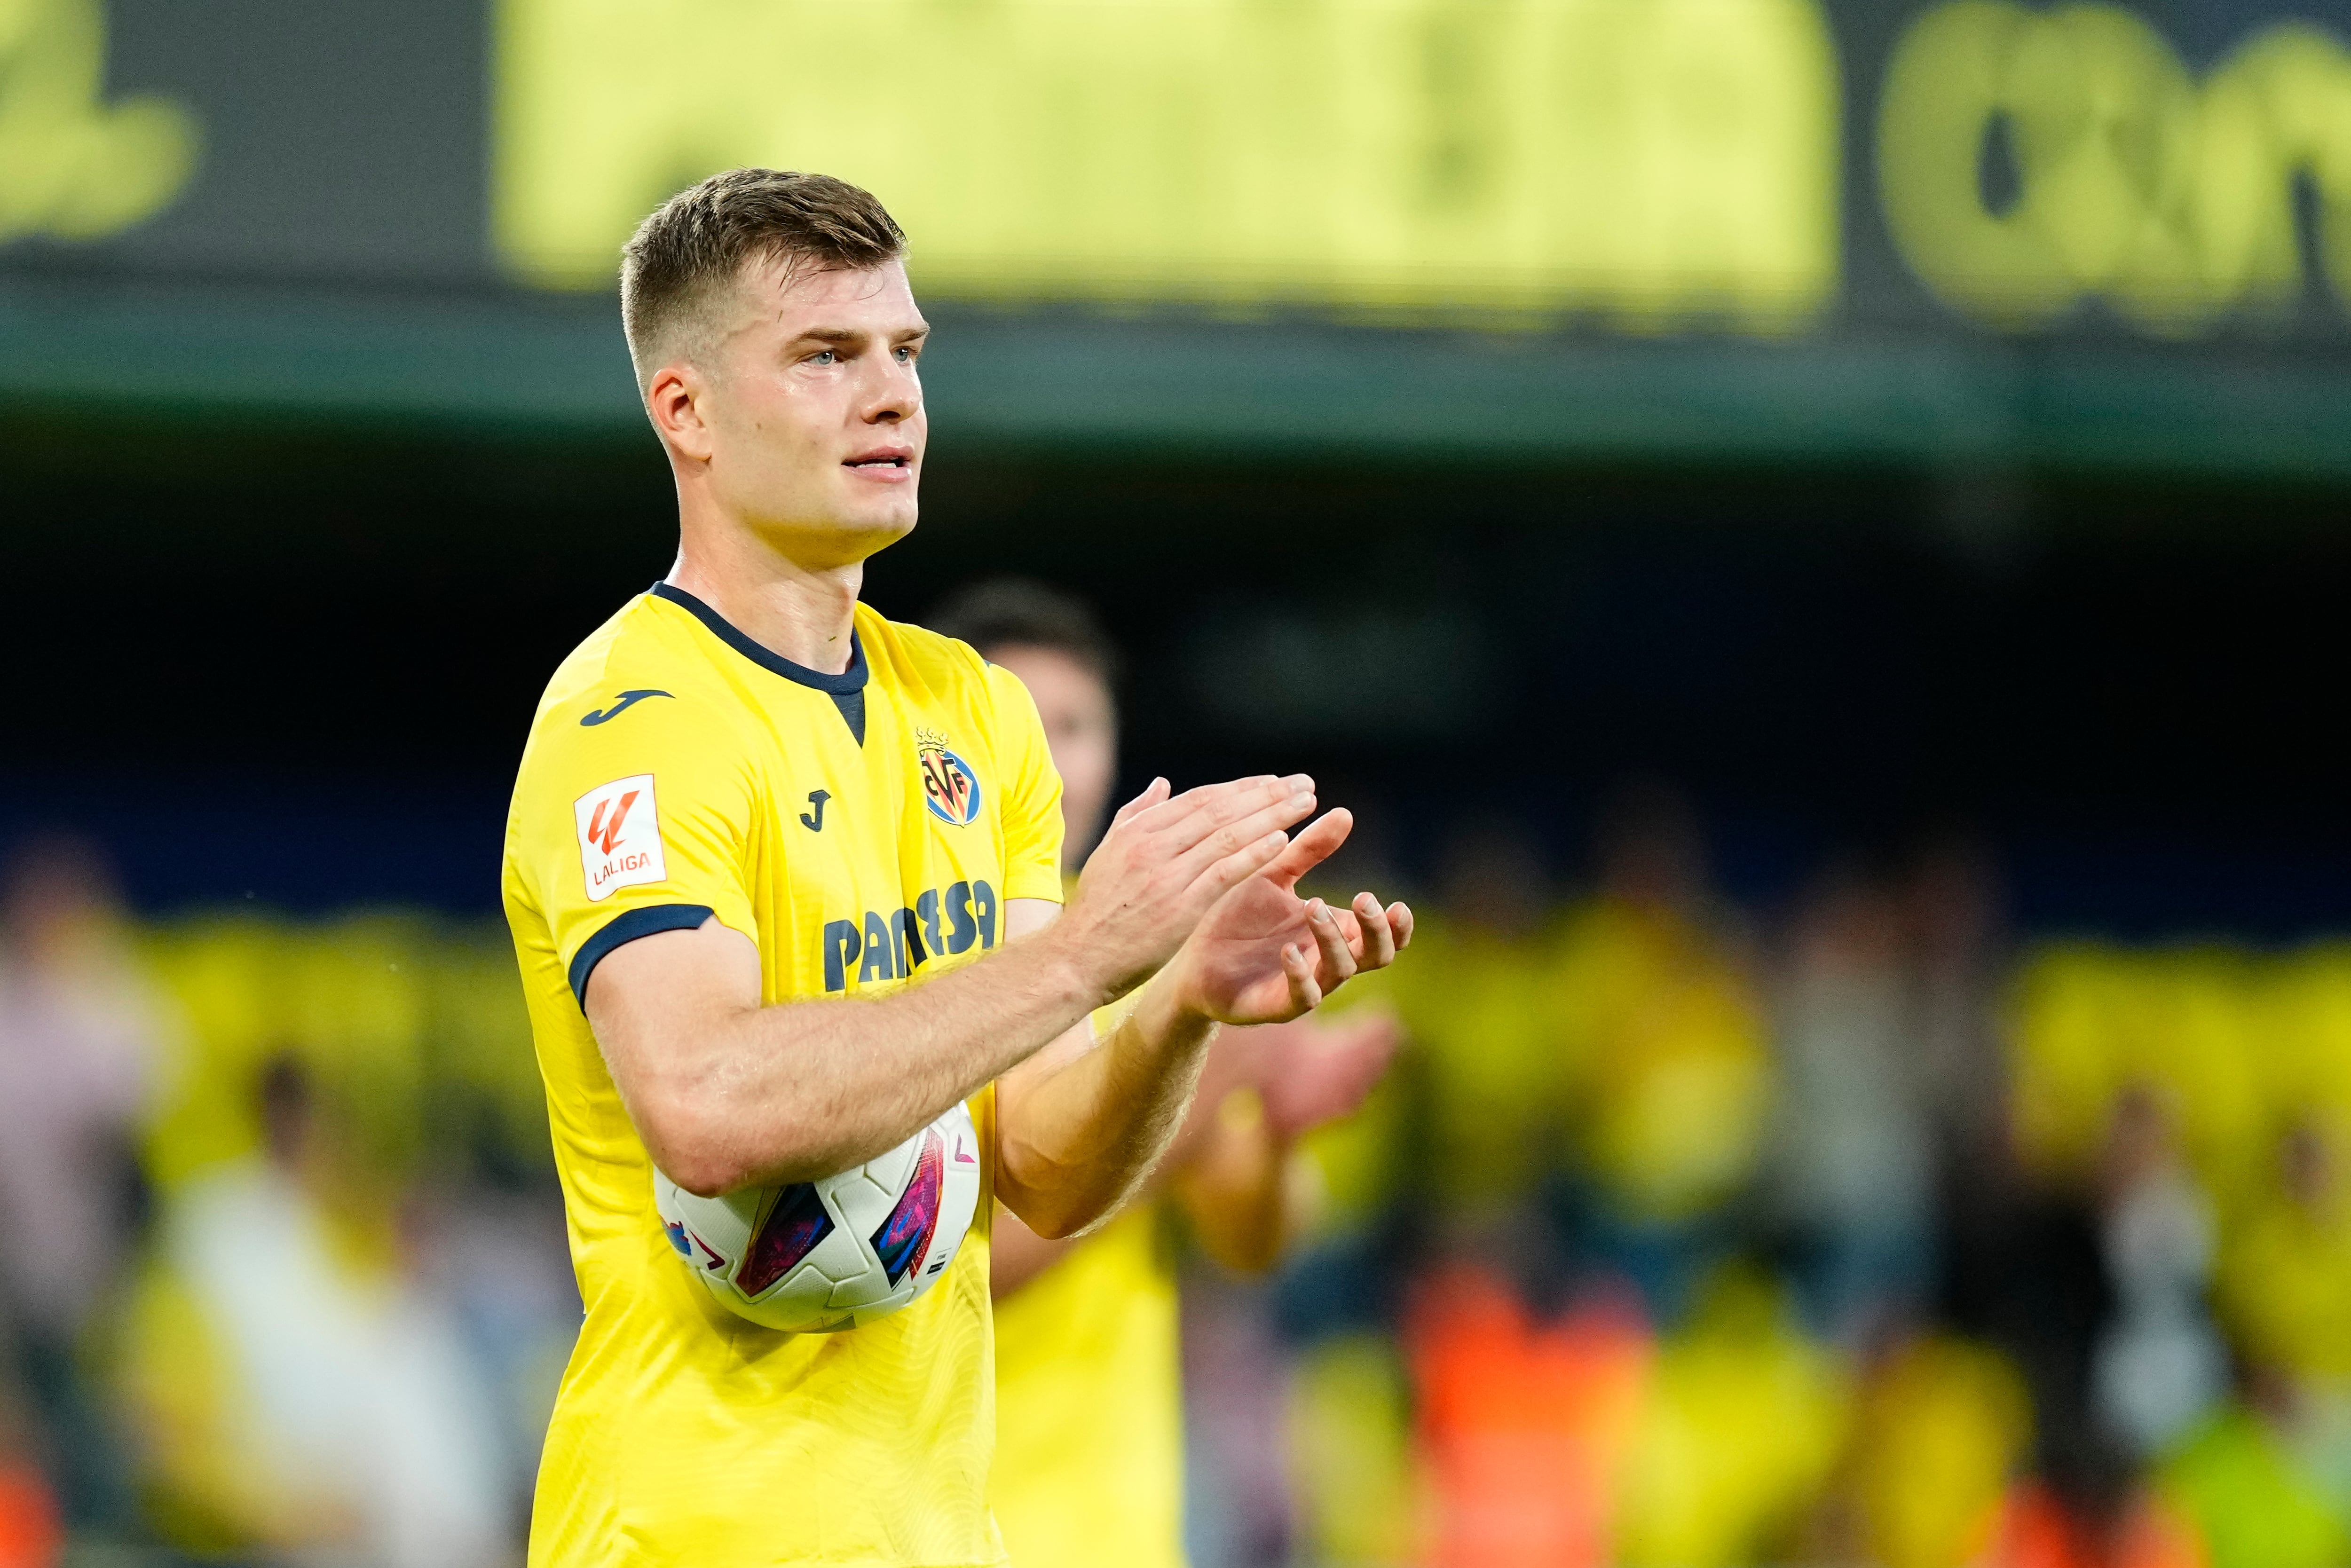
x=1263 y=955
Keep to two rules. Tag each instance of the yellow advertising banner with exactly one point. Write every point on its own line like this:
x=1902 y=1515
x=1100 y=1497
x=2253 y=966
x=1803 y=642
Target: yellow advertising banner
x=2124 y=178
x=1649 y=162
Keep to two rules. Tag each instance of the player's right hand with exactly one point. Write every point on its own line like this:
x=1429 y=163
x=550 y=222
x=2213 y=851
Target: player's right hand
x=1165 y=861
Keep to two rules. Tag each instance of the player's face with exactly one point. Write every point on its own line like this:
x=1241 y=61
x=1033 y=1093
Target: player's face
x=816 y=415
x=1081 y=729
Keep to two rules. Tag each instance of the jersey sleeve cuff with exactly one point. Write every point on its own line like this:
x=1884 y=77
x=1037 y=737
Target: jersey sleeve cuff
x=626 y=927
x=1049 y=888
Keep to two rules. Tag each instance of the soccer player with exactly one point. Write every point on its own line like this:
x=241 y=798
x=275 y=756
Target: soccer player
x=1090 y=1423
x=783 y=878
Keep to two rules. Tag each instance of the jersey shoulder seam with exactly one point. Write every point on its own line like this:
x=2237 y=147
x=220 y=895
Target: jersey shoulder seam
x=921 y=640
x=629 y=650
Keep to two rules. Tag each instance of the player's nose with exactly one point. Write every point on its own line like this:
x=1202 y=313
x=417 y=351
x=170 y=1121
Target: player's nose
x=897 y=398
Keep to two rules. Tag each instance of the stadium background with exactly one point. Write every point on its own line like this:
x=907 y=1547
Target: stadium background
x=1899 y=470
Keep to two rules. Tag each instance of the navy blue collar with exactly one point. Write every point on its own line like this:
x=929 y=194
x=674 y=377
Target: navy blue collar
x=846 y=683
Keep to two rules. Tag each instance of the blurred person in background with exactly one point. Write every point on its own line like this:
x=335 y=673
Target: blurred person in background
x=1520 y=1420
x=79 y=1048
x=2159 y=1366
x=2268 y=1478
x=1483 y=1010
x=1669 y=1042
x=1958 y=972
x=1090 y=1441
x=2285 y=1276
x=300 y=1393
x=488 y=1244
x=1606 y=1401
x=1855 y=1156
x=1952 y=915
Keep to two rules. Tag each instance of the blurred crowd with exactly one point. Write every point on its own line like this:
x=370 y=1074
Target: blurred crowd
x=1859 y=1235
x=1680 y=1235
x=284 y=1276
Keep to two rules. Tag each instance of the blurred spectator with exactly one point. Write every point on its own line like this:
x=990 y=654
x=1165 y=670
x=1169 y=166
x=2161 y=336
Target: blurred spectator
x=495 y=1253
x=1481 y=1005
x=2286 y=1276
x=1237 y=1488
x=1744 y=1421
x=2270 y=1481
x=300 y=1393
x=78 y=1054
x=1944 y=1427
x=1661 y=1026
x=2159 y=1365
x=1525 y=1425
x=1585 y=1439
x=378 y=1295
x=1854 y=1158
x=1359 y=1494
x=1959 y=965
x=2253 y=1501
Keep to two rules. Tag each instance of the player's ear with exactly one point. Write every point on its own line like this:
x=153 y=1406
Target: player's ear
x=674 y=399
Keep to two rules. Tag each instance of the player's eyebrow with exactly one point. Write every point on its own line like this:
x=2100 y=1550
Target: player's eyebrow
x=848 y=335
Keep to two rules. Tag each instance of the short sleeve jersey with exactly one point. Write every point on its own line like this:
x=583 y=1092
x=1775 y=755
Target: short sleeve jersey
x=865 y=831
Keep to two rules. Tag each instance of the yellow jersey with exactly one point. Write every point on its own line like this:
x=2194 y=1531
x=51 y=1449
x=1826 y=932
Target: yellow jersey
x=1089 y=1406
x=865 y=831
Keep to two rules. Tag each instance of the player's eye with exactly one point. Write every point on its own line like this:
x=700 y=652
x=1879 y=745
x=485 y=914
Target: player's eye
x=824 y=357
x=906 y=352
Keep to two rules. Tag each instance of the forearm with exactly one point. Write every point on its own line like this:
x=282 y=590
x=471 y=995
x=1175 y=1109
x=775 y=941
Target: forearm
x=1228 y=1170
x=1235 y=1191
x=1017 y=1255
x=1076 y=1136
x=745 y=1095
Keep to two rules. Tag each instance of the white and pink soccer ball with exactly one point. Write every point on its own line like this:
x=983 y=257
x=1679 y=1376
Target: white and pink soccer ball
x=821 y=1256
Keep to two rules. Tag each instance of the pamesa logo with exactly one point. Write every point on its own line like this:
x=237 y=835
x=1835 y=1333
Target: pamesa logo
x=72 y=166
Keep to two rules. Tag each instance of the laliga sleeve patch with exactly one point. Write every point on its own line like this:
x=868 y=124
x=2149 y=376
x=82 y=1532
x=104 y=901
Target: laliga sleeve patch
x=620 y=836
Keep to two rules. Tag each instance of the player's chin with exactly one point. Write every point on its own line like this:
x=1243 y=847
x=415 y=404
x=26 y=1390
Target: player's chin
x=881 y=520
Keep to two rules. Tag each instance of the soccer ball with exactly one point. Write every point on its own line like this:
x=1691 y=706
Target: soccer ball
x=821 y=1256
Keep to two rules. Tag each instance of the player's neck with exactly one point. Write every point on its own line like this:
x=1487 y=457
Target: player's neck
x=805 y=614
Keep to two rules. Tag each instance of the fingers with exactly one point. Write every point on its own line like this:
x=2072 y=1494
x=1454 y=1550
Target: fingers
x=1154 y=793
x=1400 y=922
x=1305 y=996
x=1224 y=875
x=1337 y=961
x=1187 y=819
x=1353 y=930
x=1314 y=844
x=1236 y=835
x=1379 y=936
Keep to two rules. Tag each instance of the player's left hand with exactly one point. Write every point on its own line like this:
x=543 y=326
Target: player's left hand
x=1308 y=1071
x=1263 y=955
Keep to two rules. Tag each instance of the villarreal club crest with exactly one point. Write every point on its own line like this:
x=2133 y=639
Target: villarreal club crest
x=950 y=787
